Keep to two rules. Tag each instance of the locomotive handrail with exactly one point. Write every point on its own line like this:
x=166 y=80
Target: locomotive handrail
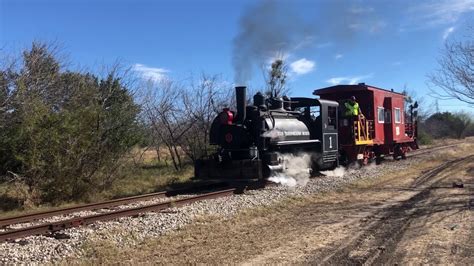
x=284 y=111
x=288 y=142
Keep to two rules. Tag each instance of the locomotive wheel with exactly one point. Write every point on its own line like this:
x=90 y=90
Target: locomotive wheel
x=362 y=162
x=365 y=161
x=398 y=153
x=395 y=153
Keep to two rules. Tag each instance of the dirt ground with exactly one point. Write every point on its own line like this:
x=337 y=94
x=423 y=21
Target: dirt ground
x=414 y=217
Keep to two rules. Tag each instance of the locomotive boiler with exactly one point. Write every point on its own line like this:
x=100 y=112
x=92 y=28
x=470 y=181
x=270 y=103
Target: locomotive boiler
x=251 y=142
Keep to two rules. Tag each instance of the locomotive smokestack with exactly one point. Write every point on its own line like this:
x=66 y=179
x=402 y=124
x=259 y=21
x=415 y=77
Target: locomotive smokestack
x=241 y=99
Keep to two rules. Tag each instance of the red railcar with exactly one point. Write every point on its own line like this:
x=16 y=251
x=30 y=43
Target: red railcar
x=384 y=128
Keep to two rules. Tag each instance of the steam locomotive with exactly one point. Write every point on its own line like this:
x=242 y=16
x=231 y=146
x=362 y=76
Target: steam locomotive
x=252 y=141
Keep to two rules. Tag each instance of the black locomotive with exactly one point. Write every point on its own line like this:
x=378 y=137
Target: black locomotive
x=251 y=141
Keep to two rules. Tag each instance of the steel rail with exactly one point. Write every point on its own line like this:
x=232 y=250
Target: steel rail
x=431 y=149
x=95 y=206
x=438 y=169
x=85 y=220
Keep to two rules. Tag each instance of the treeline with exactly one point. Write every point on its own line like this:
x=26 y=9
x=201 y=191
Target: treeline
x=67 y=135
x=445 y=125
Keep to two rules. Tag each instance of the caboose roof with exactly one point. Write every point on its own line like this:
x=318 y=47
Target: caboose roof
x=348 y=88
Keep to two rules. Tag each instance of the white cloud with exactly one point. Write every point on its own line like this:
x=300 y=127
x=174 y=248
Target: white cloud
x=377 y=26
x=361 y=10
x=338 y=56
x=438 y=12
x=447 y=32
x=302 y=66
x=307 y=41
x=348 y=79
x=355 y=26
x=324 y=45
x=370 y=25
x=150 y=73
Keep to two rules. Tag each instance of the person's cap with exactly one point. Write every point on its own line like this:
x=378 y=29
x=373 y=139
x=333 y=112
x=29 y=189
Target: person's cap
x=353 y=98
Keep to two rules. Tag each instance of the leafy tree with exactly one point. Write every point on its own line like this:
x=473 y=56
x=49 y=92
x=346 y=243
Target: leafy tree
x=446 y=124
x=67 y=132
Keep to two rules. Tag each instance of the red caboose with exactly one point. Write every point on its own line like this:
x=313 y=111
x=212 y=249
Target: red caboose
x=382 y=129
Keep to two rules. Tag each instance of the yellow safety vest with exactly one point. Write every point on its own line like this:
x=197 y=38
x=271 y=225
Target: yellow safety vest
x=352 y=109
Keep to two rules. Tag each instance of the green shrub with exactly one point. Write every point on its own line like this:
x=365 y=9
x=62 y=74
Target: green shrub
x=424 y=138
x=65 y=133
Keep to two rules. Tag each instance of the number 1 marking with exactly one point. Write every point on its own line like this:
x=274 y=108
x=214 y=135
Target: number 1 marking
x=330 y=142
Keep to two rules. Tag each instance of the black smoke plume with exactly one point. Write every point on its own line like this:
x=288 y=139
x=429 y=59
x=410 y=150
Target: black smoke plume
x=272 y=29
x=266 y=30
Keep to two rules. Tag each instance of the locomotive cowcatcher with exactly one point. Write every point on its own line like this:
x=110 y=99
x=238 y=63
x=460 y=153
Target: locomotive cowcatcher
x=252 y=140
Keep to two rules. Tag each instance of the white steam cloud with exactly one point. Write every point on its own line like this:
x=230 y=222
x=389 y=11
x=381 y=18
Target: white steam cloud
x=296 y=170
x=338 y=172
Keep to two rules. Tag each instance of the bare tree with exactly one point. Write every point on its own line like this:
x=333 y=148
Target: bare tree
x=275 y=78
x=411 y=97
x=165 y=114
x=455 y=76
x=203 y=100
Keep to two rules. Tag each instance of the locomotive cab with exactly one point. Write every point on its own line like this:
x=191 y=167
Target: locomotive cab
x=323 y=122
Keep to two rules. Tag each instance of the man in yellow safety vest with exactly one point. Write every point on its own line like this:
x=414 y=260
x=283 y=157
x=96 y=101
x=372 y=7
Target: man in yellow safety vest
x=352 y=107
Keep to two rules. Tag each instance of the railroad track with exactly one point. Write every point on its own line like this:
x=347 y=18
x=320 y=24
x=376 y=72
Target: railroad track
x=86 y=207
x=52 y=227
x=4 y=222
x=431 y=149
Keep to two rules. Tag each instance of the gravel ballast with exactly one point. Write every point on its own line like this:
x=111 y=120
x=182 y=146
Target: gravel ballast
x=130 y=231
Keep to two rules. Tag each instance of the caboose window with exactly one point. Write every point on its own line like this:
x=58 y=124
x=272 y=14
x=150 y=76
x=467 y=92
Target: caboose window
x=380 y=115
x=398 y=118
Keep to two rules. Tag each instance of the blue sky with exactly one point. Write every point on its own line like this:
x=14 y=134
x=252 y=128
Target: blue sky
x=390 y=44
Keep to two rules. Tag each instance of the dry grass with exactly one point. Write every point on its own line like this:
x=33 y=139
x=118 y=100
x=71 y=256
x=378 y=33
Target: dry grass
x=282 y=232
x=144 y=174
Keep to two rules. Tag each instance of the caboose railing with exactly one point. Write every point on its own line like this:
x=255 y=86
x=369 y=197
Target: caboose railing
x=363 y=131
x=409 y=130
